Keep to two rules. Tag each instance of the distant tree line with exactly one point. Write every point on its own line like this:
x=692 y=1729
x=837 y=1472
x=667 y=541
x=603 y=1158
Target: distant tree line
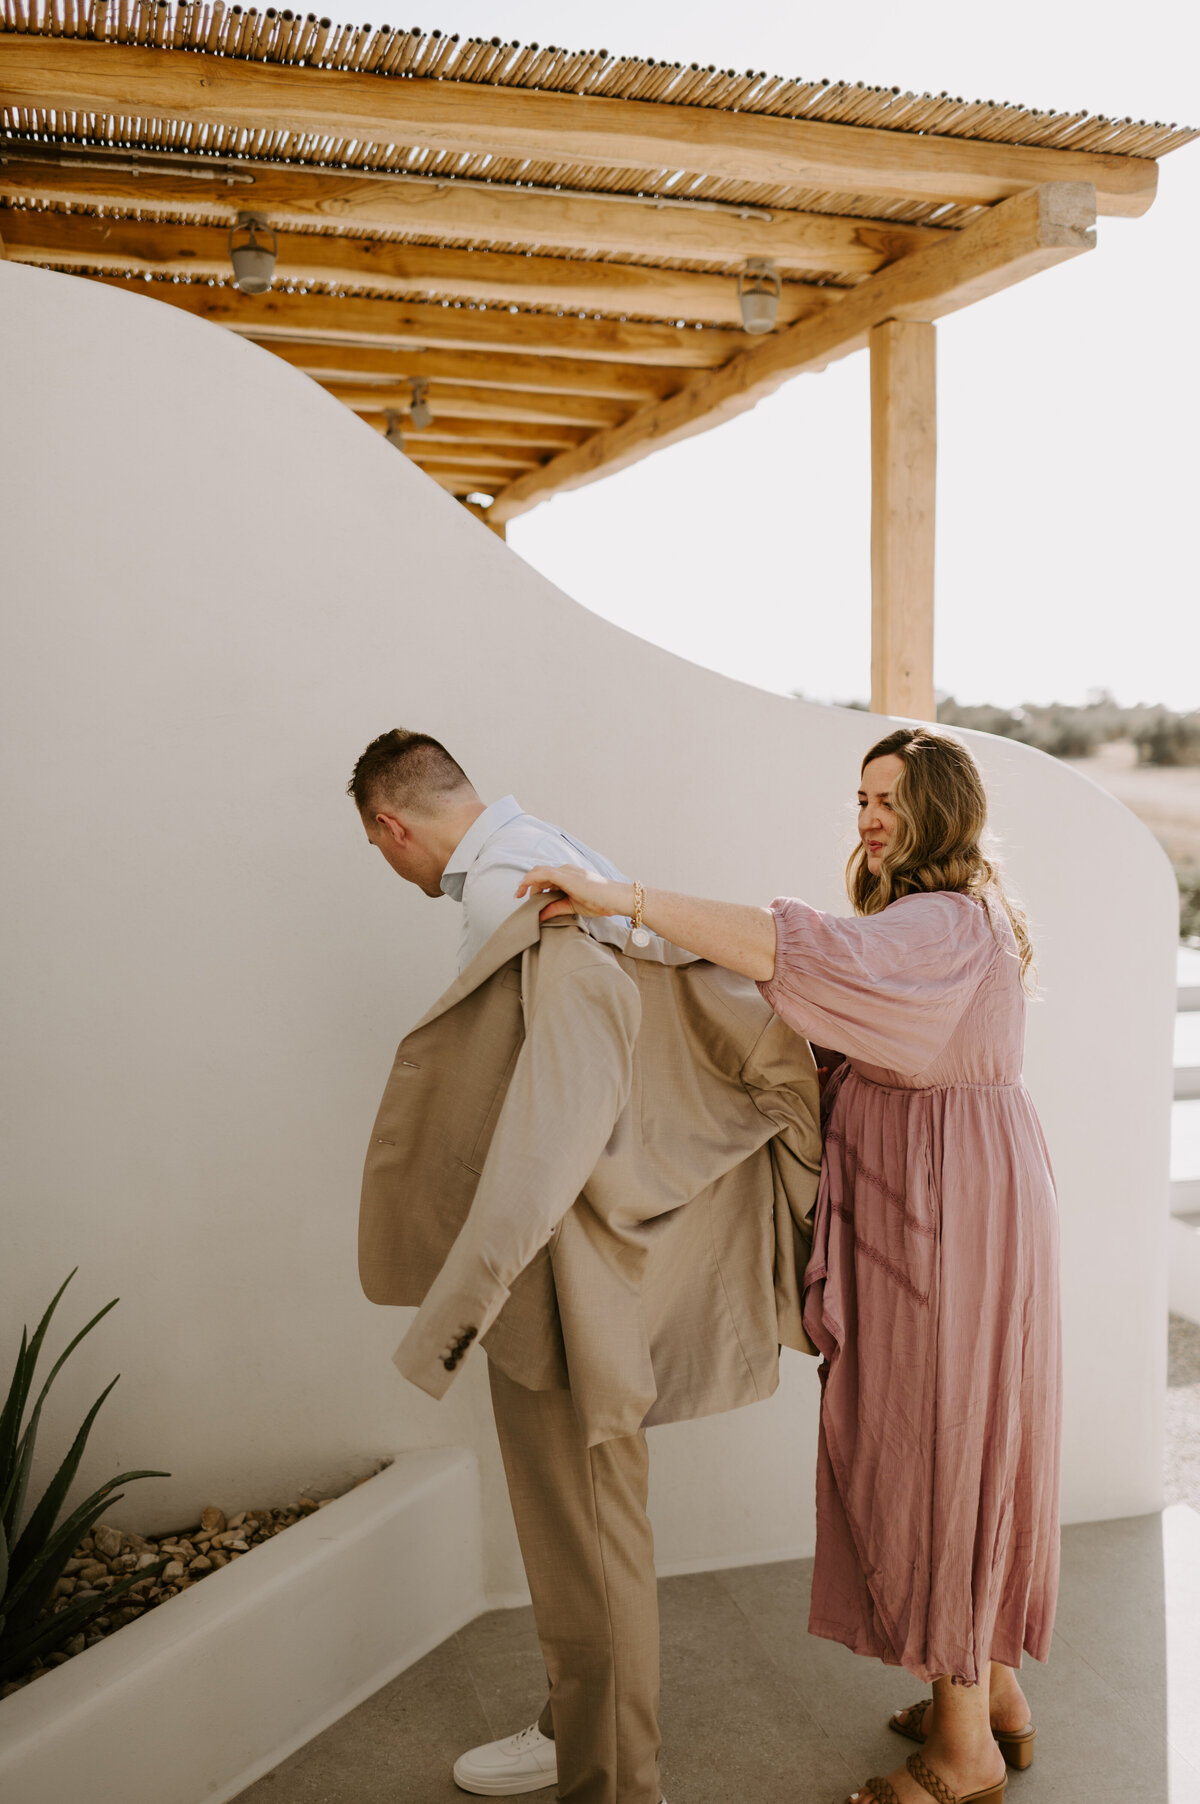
x=1161 y=736
x=1188 y=878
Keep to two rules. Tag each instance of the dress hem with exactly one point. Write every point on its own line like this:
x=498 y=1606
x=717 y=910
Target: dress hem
x=871 y=1649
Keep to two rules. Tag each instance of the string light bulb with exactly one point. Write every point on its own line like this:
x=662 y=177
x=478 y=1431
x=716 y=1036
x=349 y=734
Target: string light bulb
x=253 y=247
x=394 y=434
x=759 y=291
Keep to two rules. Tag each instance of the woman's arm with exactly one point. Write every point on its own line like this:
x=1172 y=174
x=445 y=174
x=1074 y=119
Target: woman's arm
x=727 y=933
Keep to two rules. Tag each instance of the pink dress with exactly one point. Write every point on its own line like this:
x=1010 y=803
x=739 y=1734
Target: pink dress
x=932 y=1290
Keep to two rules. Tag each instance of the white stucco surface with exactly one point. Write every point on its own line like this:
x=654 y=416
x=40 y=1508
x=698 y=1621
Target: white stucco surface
x=199 y=1698
x=219 y=586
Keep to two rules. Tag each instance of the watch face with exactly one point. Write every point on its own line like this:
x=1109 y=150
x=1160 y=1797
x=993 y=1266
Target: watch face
x=640 y=936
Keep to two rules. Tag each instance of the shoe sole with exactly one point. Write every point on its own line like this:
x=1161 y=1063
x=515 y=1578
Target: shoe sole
x=512 y=1787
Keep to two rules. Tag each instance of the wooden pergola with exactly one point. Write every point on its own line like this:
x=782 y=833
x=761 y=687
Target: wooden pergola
x=550 y=241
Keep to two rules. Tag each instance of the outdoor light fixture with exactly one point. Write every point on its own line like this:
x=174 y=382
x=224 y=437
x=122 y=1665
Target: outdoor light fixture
x=394 y=435
x=420 y=413
x=252 y=256
x=759 y=289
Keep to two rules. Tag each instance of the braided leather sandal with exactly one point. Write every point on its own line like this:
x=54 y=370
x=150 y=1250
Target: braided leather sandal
x=884 y=1792
x=1016 y=1745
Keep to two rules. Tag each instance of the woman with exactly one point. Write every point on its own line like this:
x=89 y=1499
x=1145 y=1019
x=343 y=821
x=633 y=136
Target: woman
x=932 y=1290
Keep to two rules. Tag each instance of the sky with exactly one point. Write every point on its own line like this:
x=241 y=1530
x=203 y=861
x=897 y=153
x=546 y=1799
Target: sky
x=1067 y=406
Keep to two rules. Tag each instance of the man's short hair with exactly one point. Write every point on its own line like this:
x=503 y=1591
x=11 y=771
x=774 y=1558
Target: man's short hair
x=410 y=772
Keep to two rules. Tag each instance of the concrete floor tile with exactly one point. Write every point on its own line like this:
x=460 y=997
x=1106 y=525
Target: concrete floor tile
x=1111 y=1607
x=396 y=1748
x=757 y=1711
x=504 y=1659
x=498 y=1632
x=1184 y=1780
x=1093 y=1746
x=1181 y=1566
x=734 y=1727
x=851 y=1698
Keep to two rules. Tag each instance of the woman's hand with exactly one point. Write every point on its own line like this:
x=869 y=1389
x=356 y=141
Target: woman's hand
x=730 y=934
x=586 y=894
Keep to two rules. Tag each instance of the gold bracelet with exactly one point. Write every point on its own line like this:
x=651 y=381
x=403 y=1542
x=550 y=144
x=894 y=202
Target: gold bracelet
x=640 y=935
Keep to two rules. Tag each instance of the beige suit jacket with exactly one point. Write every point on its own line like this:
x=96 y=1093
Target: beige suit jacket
x=602 y=1162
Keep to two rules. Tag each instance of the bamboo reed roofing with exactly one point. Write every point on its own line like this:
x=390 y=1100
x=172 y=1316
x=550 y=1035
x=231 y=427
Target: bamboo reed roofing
x=281 y=36
x=568 y=272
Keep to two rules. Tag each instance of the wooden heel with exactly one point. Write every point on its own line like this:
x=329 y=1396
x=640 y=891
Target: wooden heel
x=1017 y=1749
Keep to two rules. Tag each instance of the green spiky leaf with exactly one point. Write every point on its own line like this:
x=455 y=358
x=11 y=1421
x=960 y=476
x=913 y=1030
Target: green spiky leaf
x=25 y=1451
x=45 y=1513
x=49 y=1560
x=14 y=1406
x=48 y=1634
x=32 y=1556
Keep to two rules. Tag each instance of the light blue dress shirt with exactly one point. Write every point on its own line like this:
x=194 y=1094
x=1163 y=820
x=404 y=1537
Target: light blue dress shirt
x=491 y=858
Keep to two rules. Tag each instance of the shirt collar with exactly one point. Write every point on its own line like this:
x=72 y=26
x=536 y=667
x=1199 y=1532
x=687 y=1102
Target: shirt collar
x=497 y=815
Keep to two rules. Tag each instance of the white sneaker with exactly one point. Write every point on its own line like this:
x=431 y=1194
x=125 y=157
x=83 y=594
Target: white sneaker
x=502 y=1769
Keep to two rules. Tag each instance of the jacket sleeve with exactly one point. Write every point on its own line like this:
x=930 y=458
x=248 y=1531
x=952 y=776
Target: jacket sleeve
x=781 y=1077
x=780 y=1074
x=570 y=1083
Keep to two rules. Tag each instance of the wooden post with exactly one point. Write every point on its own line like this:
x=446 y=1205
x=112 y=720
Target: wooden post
x=903 y=468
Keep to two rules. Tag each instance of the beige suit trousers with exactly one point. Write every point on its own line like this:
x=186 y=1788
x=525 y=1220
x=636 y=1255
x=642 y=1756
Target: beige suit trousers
x=589 y=1558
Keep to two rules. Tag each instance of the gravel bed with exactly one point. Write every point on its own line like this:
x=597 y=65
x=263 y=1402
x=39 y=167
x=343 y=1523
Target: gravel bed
x=1182 y=1475
x=109 y=1554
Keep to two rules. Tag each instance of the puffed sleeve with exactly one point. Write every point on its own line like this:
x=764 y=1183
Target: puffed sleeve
x=888 y=989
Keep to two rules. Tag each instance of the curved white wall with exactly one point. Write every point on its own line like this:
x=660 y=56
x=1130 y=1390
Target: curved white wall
x=219 y=587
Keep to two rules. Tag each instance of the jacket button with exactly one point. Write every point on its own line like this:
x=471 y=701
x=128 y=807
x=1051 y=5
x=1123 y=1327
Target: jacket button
x=449 y=1364
x=470 y=1333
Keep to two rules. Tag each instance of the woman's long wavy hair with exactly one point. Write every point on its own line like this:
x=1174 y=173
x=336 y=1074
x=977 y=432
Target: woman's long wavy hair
x=940 y=806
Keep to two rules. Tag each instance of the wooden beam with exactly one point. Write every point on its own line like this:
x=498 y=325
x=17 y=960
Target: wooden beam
x=473 y=454
x=1032 y=232
x=505 y=435
x=487 y=404
x=149 y=247
x=76 y=76
x=903 y=472
x=631 y=383
x=462 y=482
x=469 y=457
x=409 y=323
x=799 y=243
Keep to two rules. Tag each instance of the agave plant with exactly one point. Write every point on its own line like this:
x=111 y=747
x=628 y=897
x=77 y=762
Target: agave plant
x=34 y=1551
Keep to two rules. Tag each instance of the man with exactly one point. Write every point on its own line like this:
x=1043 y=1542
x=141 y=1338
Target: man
x=478 y=1206
x=423 y=814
